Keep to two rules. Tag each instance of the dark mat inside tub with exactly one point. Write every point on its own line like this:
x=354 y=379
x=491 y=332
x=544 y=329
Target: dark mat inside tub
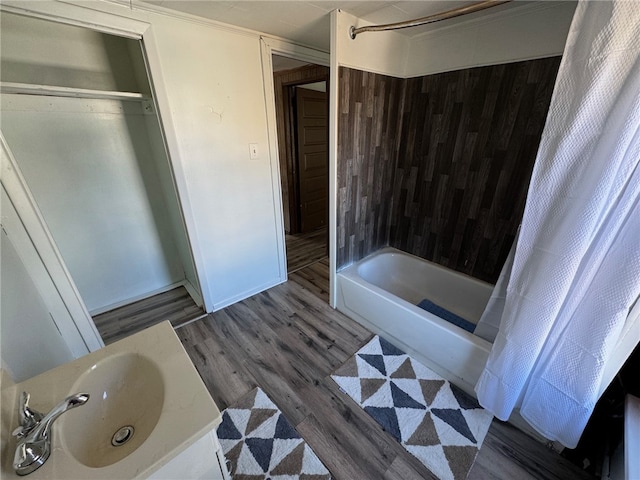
x=445 y=314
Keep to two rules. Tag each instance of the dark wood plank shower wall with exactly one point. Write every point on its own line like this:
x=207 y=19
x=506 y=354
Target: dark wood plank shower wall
x=370 y=109
x=462 y=151
x=469 y=142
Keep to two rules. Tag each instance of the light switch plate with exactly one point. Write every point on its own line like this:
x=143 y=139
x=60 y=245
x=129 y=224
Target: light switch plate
x=253 y=151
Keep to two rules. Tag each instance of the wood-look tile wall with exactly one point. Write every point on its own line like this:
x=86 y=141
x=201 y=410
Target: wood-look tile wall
x=461 y=165
x=469 y=142
x=370 y=109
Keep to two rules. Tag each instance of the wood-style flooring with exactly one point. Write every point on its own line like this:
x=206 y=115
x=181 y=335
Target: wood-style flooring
x=176 y=305
x=303 y=249
x=288 y=341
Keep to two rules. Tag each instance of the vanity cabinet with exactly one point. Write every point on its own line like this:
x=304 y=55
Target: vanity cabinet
x=203 y=460
x=179 y=443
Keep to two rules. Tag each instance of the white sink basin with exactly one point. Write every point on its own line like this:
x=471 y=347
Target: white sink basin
x=126 y=398
x=145 y=381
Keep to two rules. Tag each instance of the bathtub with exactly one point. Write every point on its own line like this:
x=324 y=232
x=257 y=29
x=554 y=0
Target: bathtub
x=382 y=292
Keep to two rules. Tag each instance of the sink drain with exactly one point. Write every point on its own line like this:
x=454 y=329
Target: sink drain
x=122 y=436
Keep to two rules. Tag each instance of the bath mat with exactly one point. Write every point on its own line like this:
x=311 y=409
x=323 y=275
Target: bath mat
x=259 y=443
x=445 y=314
x=434 y=420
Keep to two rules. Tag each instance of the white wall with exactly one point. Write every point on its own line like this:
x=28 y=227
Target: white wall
x=522 y=32
x=48 y=53
x=90 y=169
x=217 y=103
x=173 y=212
x=533 y=30
x=379 y=52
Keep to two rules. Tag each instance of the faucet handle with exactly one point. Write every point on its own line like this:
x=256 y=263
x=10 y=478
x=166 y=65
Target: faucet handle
x=29 y=418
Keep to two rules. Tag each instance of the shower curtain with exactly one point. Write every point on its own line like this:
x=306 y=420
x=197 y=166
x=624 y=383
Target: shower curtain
x=576 y=269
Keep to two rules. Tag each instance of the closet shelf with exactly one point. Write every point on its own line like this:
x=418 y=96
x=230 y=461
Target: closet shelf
x=55 y=91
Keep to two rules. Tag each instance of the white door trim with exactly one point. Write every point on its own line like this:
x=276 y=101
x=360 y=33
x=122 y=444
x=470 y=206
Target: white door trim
x=76 y=326
x=152 y=60
x=270 y=46
x=334 y=108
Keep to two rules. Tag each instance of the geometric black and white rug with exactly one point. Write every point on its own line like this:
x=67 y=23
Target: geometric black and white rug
x=260 y=443
x=434 y=420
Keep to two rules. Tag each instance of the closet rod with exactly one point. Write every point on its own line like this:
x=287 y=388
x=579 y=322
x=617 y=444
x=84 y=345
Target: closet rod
x=56 y=91
x=456 y=12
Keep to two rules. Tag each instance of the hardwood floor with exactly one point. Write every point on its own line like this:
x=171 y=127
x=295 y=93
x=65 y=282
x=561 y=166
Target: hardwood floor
x=303 y=249
x=287 y=340
x=175 y=305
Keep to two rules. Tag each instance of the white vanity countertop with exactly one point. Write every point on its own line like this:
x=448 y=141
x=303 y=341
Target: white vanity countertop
x=188 y=412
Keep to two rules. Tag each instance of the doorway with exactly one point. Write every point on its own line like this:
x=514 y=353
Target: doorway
x=301 y=99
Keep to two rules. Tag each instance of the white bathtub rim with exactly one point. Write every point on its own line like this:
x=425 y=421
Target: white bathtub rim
x=411 y=278
x=394 y=251
x=416 y=310
x=352 y=274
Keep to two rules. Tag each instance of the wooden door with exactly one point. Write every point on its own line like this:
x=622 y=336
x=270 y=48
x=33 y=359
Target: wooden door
x=313 y=158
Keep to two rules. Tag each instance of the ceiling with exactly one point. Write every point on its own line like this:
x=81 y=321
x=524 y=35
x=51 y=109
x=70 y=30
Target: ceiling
x=308 y=22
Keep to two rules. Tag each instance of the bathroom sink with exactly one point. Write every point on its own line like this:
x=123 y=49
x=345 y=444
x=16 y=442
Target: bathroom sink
x=126 y=398
x=145 y=396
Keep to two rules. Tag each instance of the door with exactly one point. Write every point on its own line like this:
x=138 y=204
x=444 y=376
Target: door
x=39 y=254
x=313 y=158
x=31 y=309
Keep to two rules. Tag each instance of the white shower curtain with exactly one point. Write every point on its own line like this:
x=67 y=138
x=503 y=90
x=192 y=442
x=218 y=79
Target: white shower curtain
x=576 y=270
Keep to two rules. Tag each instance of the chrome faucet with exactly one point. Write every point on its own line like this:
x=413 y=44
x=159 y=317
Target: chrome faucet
x=34 y=432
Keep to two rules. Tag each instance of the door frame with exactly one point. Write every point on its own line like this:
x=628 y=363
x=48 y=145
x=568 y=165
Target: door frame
x=275 y=46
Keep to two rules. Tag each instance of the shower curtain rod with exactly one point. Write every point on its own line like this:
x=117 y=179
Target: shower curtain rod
x=456 y=12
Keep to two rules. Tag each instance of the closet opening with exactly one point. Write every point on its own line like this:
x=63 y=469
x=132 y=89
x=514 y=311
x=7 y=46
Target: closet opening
x=79 y=116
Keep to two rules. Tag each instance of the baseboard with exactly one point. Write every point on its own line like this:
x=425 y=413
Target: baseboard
x=137 y=298
x=248 y=293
